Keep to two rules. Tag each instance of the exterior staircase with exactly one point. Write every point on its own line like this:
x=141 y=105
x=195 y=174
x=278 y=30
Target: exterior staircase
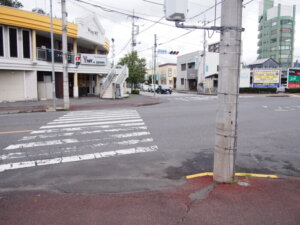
x=114 y=86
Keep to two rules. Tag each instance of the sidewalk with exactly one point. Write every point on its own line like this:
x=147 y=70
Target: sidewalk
x=199 y=201
x=84 y=103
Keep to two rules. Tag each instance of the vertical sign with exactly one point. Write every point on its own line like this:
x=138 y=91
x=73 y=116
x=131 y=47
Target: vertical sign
x=293 y=79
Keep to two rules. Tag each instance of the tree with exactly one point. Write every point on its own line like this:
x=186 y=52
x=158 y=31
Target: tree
x=11 y=3
x=39 y=11
x=136 y=67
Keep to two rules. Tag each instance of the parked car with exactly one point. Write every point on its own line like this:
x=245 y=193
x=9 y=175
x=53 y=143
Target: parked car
x=151 y=87
x=164 y=89
x=144 y=87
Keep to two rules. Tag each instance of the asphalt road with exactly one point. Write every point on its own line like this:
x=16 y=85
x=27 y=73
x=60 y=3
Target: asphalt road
x=143 y=148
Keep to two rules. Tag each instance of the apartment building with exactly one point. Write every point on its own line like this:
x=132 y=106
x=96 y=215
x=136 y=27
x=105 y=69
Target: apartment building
x=167 y=74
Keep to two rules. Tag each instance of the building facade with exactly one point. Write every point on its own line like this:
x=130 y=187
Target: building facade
x=276 y=32
x=25 y=56
x=196 y=71
x=167 y=74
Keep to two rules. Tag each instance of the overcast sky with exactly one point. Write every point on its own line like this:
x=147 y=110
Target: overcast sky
x=118 y=26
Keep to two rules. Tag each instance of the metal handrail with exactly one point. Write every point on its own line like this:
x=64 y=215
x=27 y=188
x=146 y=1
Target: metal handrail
x=111 y=75
x=122 y=75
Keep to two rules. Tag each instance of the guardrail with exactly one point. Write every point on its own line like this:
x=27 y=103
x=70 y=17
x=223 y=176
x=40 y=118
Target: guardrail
x=122 y=75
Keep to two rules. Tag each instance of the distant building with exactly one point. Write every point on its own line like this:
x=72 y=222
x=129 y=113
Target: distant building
x=215 y=47
x=167 y=74
x=264 y=63
x=276 y=32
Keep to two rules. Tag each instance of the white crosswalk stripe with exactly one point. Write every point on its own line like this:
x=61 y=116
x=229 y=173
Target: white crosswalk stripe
x=193 y=98
x=80 y=136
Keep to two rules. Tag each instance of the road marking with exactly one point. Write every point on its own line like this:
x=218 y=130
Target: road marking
x=42 y=143
x=91 y=124
x=76 y=158
x=93 y=119
x=16 y=131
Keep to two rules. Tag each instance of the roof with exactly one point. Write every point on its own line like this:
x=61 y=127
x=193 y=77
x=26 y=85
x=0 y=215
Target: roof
x=168 y=64
x=261 y=61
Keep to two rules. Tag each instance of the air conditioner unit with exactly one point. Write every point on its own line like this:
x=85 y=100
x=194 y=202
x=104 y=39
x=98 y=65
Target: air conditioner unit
x=176 y=10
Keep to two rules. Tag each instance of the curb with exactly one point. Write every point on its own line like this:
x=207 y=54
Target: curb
x=273 y=176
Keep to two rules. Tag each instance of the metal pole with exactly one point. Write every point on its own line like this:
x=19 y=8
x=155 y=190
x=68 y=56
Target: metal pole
x=65 y=55
x=154 y=63
x=52 y=58
x=204 y=59
x=228 y=91
x=132 y=34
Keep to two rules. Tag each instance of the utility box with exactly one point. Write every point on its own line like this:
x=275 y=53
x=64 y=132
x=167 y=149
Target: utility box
x=176 y=10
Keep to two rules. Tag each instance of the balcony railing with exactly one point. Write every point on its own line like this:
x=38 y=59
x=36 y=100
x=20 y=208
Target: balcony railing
x=44 y=54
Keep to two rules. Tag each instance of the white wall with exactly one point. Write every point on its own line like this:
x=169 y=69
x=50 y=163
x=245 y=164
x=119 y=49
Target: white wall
x=30 y=84
x=245 y=77
x=11 y=85
x=44 y=90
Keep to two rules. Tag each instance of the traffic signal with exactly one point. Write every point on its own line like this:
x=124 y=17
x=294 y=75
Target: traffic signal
x=77 y=60
x=174 y=52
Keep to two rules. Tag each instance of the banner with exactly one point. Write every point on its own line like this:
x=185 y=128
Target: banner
x=293 y=78
x=266 y=78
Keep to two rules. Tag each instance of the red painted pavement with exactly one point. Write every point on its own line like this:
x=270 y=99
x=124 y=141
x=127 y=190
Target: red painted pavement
x=265 y=201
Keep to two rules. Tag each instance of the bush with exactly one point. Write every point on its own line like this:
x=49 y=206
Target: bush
x=135 y=92
x=292 y=90
x=258 y=90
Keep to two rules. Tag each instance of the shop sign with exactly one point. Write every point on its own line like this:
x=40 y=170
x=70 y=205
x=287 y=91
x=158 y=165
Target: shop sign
x=94 y=59
x=266 y=78
x=293 y=78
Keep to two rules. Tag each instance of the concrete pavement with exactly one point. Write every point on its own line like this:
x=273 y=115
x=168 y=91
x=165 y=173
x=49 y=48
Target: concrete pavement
x=77 y=104
x=198 y=201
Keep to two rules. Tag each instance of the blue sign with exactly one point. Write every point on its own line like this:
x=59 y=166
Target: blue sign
x=162 y=51
x=264 y=85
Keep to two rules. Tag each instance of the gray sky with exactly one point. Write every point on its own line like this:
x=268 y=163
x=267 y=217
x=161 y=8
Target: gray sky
x=119 y=26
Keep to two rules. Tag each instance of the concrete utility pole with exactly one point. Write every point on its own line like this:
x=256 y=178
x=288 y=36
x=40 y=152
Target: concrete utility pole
x=228 y=91
x=65 y=55
x=154 y=63
x=204 y=58
x=52 y=58
x=132 y=34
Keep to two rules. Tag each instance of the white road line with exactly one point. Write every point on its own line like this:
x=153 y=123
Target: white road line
x=42 y=143
x=76 y=158
x=94 y=119
x=86 y=128
x=55 y=135
x=136 y=134
x=90 y=124
x=95 y=116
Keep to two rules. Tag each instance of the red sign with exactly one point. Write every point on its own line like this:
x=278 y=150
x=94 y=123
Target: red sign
x=294 y=85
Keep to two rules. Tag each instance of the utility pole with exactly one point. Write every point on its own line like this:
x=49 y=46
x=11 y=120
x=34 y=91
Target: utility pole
x=228 y=91
x=154 y=63
x=132 y=34
x=113 y=51
x=204 y=58
x=52 y=58
x=65 y=56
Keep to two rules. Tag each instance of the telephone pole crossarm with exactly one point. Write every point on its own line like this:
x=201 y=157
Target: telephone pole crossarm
x=181 y=25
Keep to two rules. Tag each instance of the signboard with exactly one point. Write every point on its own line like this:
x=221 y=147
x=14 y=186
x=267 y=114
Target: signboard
x=245 y=77
x=266 y=78
x=293 y=79
x=93 y=59
x=162 y=51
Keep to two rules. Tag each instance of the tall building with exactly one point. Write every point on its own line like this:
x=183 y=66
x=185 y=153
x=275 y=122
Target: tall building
x=276 y=32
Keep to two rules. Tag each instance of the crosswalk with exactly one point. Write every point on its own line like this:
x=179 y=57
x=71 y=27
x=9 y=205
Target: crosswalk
x=192 y=98
x=78 y=136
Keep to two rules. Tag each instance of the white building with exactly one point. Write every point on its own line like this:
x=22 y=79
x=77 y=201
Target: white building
x=25 y=58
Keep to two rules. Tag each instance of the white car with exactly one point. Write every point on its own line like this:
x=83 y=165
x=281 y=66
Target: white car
x=151 y=87
x=144 y=87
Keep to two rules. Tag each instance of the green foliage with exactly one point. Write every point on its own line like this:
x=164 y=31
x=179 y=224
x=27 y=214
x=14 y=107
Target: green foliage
x=11 y=3
x=39 y=11
x=292 y=90
x=150 y=79
x=136 y=67
x=258 y=90
x=135 y=92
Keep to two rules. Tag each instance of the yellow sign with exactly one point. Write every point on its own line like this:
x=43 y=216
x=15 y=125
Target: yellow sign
x=270 y=76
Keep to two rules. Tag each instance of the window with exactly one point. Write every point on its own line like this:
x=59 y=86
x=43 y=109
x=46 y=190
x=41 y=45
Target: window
x=13 y=42
x=274 y=23
x=183 y=67
x=191 y=65
x=26 y=44
x=1 y=42
x=285 y=39
x=273 y=40
x=282 y=22
x=182 y=81
x=285 y=47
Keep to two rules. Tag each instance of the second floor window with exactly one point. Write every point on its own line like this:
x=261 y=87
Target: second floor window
x=1 y=42
x=183 y=67
x=26 y=44
x=13 y=42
